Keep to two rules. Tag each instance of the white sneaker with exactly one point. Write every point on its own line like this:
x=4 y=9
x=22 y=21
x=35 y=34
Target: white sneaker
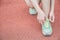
x=32 y=11
x=46 y=28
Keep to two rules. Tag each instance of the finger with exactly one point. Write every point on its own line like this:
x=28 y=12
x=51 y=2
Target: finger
x=52 y=18
x=40 y=21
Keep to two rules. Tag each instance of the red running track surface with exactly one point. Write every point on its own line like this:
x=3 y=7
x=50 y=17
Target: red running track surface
x=17 y=24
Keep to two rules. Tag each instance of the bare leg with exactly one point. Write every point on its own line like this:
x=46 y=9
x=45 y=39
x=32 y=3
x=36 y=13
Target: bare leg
x=46 y=6
x=29 y=4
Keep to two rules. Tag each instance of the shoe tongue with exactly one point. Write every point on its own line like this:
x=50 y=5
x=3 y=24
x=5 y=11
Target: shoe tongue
x=47 y=23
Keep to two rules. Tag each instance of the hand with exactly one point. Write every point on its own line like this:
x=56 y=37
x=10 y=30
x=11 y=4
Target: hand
x=51 y=16
x=41 y=17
